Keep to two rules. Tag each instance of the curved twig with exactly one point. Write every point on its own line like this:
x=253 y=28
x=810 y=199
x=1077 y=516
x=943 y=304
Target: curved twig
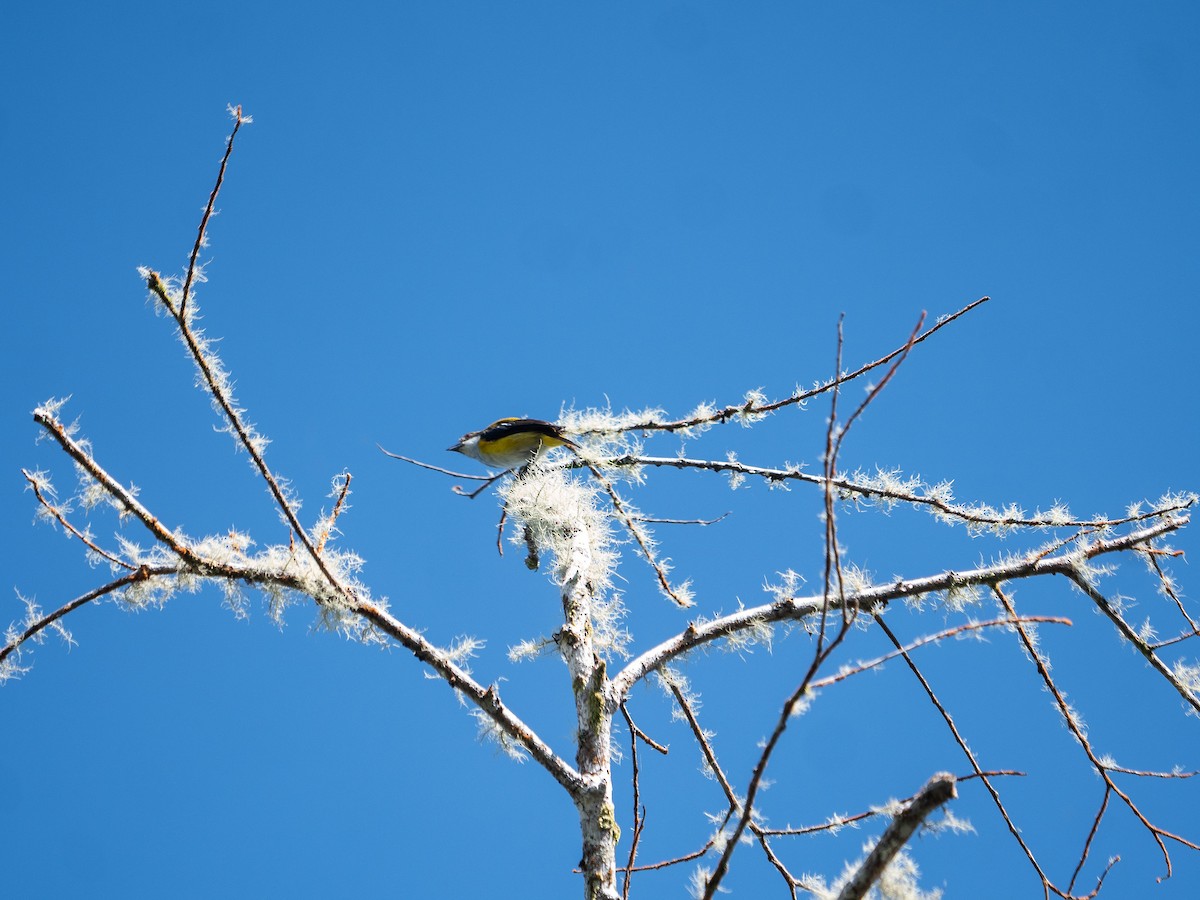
x=142 y=573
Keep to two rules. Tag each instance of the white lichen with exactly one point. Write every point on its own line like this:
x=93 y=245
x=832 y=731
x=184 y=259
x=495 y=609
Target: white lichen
x=555 y=510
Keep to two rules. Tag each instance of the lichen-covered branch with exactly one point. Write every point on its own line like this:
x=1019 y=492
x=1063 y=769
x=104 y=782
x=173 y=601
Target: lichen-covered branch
x=798 y=608
x=939 y=790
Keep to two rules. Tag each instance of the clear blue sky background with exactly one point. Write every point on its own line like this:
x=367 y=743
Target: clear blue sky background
x=445 y=213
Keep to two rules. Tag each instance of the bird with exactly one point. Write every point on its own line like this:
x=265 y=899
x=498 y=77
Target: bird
x=509 y=443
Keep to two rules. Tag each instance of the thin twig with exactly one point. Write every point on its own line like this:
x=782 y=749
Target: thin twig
x=751 y=408
x=643 y=541
x=832 y=558
x=838 y=822
x=957 y=630
x=1178 y=639
x=1107 y=607
x=677 y=860
x=1146 y=773
x=1087 y=844
x=848 y=486
x=731 y=798
x=654 y=520
x=500 y=531
x=424 y=465
x=642 y=736
x=877 y=389
x=710 y=758
x=57 y=513
x=1047 y=885
x=488 y=482
x=208 y=210
x=142 y=573
x=338 y=506
x=639 y=812
x=1152 y=555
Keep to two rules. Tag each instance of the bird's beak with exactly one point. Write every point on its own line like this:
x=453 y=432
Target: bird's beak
x=457 y=448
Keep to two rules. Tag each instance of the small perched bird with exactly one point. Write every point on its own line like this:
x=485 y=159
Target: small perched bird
x=508 y=443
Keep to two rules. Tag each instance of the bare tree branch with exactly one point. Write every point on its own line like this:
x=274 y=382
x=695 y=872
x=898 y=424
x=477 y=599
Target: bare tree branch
x=868 y=490
x=797 y=608
x=56 y=512
x=1128 y=632
x=734 y=802
x=142 y=573
x=338 y=507
x=837 y=822
x=678 y=594
x=424 y=465
x=192 y=269
x=956 y=631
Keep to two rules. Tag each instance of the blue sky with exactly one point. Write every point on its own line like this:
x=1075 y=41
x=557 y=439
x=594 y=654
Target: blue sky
x=445 y=213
